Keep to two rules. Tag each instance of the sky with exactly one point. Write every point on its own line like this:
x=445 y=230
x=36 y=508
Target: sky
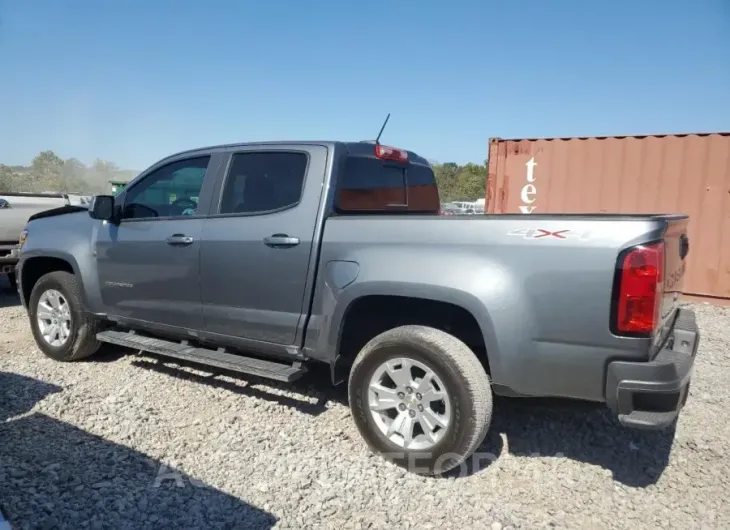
x=132 y=81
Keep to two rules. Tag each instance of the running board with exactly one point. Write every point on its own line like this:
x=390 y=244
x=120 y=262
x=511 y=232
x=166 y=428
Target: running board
x=218 y=358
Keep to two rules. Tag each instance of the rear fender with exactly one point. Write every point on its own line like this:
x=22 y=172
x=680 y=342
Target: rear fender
x=342 y=302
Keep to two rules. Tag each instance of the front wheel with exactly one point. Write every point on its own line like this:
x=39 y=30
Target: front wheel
x=421 y=398
x=62 y=329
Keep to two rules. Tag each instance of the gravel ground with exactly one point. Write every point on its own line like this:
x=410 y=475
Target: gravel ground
x=127 y=442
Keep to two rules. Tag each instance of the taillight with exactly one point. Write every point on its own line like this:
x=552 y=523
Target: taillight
x=391 y=153
x=640 y=277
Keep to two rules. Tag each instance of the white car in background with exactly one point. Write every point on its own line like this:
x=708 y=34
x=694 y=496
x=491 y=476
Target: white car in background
x=470 y=207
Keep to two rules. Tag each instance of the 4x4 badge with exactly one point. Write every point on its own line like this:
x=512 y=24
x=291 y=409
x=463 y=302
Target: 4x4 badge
x=542 y=233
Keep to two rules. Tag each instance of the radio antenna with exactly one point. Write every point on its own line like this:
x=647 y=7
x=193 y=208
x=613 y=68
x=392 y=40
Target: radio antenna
x=377 y=140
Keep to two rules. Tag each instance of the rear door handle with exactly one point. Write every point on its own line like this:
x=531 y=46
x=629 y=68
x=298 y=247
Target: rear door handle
x=179 y=240
x=281 y=240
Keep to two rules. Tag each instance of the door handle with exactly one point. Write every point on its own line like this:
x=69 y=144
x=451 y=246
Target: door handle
x=281 y=240
x=179 y=240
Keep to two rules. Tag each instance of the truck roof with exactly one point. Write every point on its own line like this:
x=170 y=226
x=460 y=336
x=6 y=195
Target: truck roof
x=361 y=148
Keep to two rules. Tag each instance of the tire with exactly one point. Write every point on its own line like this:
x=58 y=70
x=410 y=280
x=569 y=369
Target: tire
x=83 y=327
x=456 y=368
x=12 y=280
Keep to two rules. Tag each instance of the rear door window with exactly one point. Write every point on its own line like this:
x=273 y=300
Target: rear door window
x=369 y=184
x=262 y=182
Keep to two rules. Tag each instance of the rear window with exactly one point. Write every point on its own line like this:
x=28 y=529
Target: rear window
x=373 y=185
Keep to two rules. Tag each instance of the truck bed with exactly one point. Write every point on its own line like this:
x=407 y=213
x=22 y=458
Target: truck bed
x=548 y=281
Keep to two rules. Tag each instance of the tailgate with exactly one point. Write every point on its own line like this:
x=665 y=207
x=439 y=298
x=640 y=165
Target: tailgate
x=676 y=248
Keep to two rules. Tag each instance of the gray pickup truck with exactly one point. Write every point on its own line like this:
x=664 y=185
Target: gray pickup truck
x=264 y=258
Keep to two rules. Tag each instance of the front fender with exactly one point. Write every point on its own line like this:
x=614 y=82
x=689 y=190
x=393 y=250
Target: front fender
x=68 y=238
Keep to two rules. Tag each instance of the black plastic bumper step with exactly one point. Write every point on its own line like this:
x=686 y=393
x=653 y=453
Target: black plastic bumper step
x=219 y=359
x=640 y=419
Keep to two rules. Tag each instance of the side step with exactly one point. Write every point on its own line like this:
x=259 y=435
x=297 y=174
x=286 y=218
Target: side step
x=217 y=358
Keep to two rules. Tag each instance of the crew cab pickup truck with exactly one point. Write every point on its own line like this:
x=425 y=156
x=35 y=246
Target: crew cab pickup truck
x=265 y=258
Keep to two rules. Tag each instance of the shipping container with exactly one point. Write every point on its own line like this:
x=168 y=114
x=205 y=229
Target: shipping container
x=682 y=173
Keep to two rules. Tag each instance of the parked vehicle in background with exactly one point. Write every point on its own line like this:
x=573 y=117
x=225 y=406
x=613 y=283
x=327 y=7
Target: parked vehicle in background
x=468 y=207
x=464 y=205
x=77 y=199
x=15 y=210
x=266 y=258
x=451 y=209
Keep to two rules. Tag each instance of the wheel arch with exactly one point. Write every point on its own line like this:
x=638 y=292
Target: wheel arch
x=33 y=267
x=365 y=300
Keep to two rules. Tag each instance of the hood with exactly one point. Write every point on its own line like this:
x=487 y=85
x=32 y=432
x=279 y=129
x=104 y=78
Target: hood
x=62 y=210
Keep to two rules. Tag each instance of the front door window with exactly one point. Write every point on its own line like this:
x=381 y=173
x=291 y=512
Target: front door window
x=168 y=192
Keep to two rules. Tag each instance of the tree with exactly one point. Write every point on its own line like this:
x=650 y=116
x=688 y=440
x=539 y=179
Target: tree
x=6 y=178
x=46 y=171
x=73 y=167
x=104 y=168
x=447 y=177
x=47 y=162
x=73 y=175
x=472 y=181
x=457 y=182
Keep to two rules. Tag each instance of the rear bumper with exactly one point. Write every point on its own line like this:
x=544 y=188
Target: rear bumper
x=650 y=395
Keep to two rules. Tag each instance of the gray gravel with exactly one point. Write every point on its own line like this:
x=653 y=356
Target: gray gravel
x=126 y=442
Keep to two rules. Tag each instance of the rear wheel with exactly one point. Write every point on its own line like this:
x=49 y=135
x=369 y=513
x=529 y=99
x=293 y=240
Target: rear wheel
x=421 y=398
x=62 y=329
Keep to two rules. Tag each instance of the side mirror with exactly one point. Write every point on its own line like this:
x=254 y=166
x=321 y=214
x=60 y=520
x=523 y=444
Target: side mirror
x=102 y=208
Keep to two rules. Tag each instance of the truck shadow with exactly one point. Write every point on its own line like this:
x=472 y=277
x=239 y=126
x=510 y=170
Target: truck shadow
x=55 y=475
x=558 y=428
x=19 y=394
x=580 y=431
